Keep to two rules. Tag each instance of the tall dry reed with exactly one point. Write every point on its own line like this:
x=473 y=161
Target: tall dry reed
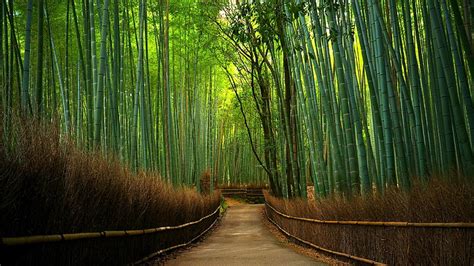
x=49 y=186
x=438 y=201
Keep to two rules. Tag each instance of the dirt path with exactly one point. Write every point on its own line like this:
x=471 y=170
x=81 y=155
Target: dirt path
x=242 y=239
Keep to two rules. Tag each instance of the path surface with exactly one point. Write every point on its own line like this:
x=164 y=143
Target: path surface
x=242 y=239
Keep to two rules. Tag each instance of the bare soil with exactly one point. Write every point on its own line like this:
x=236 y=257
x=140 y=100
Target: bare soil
x=242 y=239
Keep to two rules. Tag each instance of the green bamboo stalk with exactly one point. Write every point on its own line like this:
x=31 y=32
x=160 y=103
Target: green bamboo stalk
x=99 y=108
x=64 y=96
x=25 y=99
x=39 y=62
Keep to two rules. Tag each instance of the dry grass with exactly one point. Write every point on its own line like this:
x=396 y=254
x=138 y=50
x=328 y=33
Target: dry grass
x=48 y=186
x=234 y=202
x=438 y=201
x=205 y=182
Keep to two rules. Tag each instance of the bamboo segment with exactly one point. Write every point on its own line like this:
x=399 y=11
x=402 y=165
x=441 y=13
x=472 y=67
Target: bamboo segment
x=72 y=237
x=16 y=241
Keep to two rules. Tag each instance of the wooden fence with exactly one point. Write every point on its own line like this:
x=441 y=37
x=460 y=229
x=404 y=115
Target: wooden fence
x=375 y=242
x=105 y=247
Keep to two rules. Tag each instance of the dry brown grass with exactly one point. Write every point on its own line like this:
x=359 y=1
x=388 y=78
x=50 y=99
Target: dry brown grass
x=48 y=186
x=205 y=182
x=437 y=201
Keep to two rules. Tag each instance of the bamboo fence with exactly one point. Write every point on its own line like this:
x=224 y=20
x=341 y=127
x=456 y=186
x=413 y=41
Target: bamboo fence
x=40 y=239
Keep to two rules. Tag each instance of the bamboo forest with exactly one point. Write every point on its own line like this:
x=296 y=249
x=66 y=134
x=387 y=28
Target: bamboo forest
x=236 y=132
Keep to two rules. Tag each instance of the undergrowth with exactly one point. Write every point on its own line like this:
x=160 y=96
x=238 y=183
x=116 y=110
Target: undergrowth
x=49 y=186
x=437 y=201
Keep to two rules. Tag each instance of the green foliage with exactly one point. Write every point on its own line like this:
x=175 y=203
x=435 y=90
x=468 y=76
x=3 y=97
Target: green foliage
x=373 y=102
x=110 y=91
x=352 y=96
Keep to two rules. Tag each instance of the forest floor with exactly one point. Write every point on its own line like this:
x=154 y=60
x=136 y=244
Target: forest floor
x=242 y=239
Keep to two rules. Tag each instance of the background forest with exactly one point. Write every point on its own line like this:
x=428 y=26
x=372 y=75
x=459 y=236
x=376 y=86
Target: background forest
x=351 y=96
x=144 y=85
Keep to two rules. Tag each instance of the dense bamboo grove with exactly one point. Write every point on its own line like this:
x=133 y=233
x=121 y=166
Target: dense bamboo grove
x=357 y=95
x=135 y=79
x=350 y=95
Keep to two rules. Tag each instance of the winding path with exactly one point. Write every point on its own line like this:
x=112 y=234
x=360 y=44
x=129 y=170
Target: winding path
x=242 y=239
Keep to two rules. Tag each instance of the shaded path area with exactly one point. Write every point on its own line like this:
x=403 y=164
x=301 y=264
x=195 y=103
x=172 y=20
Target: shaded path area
x=242 y=239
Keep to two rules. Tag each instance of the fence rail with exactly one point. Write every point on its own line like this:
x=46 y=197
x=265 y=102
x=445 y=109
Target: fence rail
x=37 y=239
x=370 y=223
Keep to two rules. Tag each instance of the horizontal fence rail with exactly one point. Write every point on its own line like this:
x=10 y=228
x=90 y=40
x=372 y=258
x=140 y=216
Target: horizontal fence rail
x=370 y=223
x=26 y=240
